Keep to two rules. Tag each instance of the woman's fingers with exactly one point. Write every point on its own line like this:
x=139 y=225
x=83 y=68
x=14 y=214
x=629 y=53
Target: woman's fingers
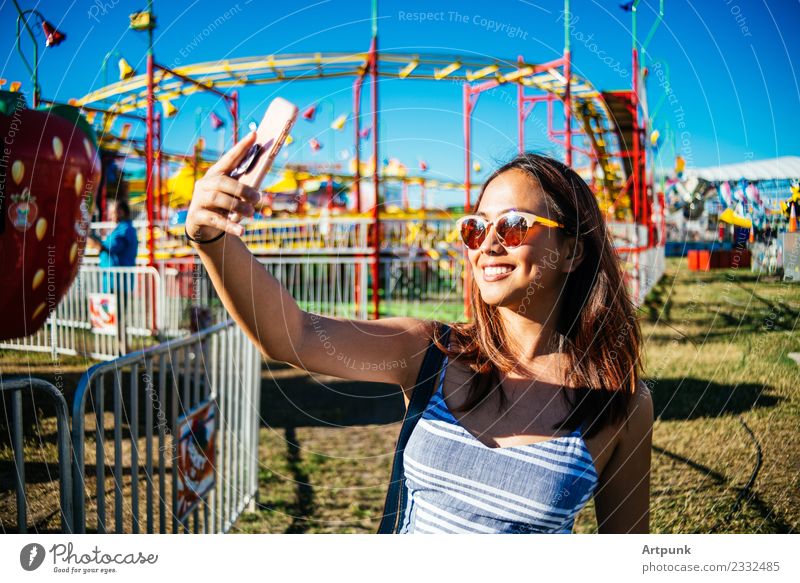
x=228 y=185
x=219 y=201
x=218 y=221
x=235 y=208
x=231 y=158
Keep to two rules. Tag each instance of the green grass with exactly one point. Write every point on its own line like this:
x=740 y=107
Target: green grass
x=448 y=311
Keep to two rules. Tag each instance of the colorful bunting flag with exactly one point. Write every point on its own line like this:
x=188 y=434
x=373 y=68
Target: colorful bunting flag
x=216 y=121
x=309 y=113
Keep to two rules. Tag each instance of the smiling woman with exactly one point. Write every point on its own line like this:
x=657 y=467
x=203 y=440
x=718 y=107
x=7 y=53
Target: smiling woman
x=554 y=347
x=554 y=411
x=561 y=280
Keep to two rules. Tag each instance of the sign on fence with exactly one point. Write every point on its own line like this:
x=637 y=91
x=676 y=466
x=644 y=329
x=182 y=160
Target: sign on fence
x=197 y=435
x=103 y=313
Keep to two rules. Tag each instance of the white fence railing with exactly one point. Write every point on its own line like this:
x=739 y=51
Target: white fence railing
x=643 y=265
x=160 y=440
x=139 y=410
x=423 y=285
x=147 y=306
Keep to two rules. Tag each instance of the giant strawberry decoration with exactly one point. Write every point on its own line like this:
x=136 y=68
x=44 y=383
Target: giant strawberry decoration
x=49 y=175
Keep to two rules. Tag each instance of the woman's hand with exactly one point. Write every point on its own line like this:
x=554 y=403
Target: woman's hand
x=220 y=202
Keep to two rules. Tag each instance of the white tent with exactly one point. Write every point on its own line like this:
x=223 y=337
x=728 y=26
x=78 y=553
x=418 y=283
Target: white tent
x=783 y=168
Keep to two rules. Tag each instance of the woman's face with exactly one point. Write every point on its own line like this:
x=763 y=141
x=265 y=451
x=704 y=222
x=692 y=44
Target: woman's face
x=535 y=269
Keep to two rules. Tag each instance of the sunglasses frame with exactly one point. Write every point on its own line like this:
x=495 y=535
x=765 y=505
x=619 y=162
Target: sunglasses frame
x=530 y=220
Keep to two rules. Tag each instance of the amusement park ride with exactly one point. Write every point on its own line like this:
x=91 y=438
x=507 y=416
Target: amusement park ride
x=607 y=127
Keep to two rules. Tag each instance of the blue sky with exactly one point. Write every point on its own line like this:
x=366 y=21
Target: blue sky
x=731 y=63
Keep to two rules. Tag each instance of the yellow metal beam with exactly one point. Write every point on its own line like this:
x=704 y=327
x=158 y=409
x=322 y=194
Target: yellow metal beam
x=481 y=73
x=440 y=74
x=523 y=72
x=406 y=71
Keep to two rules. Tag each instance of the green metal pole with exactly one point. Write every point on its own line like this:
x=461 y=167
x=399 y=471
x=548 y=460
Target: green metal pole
x=150 y=28
x=650 y=34
x=34 y=70
x=664 y=95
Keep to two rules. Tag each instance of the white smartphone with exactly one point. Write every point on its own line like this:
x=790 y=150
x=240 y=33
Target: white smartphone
x=270 y=136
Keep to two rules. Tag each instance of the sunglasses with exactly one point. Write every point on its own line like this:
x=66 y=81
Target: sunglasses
x=511 y=227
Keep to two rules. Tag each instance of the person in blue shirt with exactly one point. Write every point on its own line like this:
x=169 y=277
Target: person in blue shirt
x=121 y=245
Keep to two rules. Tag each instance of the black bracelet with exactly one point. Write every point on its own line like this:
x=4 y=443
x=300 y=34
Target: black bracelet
x=217 y=238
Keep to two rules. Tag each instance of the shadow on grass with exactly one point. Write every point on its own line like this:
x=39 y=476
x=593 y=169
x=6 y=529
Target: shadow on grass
x=680 y=399
x=304 y=401
x=690 y=398
x=303 y=507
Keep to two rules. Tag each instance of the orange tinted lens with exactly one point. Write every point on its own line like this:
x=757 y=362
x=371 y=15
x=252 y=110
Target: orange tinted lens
x=512 y=230
x=472 y=233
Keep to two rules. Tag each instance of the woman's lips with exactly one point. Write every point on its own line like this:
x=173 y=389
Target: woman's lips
x=491 y=274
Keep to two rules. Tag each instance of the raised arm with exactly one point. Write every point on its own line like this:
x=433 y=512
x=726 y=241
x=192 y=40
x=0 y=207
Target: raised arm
x=388 y=350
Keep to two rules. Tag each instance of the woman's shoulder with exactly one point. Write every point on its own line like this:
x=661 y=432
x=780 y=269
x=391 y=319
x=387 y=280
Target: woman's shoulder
x=640 y=416
x=643 y=397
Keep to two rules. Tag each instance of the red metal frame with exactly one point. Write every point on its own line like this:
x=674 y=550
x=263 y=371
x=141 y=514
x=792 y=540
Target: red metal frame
x=232 y=104
x=376 y=181
x=357 y=87
x=148 y=146
x=637 y=182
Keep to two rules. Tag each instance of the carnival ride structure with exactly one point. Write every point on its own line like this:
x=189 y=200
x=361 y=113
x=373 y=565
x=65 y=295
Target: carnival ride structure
x=607 y=127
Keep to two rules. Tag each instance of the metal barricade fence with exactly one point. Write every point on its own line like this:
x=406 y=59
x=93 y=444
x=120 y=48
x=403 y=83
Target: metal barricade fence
x=171 y=306
x=410 y=283
x=325 y=284
x=14 y=387
x=642 y=265
x=150 y=391
x=172 y=302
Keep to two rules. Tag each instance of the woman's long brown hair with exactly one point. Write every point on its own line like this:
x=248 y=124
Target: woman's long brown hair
x=597 y=329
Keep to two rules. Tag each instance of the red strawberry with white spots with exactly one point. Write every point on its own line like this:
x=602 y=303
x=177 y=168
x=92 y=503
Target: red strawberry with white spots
x=49 y=170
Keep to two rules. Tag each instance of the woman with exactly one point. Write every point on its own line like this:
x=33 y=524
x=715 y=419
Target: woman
x=540 y=405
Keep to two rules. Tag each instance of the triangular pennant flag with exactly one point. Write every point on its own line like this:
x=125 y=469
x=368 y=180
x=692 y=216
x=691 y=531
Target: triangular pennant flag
x=53 y=36
x=339 y=122
x=169 y=109
x=125 y=70
x=216 y=121
x=309 y=113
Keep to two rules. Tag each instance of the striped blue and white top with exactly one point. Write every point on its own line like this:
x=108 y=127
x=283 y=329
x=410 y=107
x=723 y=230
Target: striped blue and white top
x=456 y=484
